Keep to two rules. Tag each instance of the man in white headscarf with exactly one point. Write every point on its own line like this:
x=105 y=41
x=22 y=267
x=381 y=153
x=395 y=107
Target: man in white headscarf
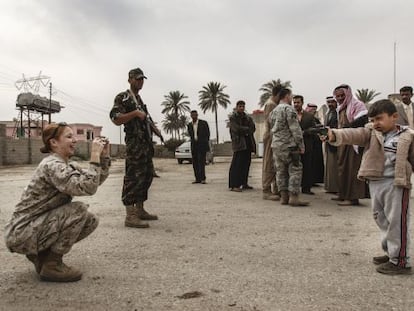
x=352 y=113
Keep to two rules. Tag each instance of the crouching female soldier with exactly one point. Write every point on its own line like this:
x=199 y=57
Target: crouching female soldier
x=46 y=223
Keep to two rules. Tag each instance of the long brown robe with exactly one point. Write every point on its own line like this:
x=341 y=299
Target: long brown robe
x=331 y=156
x=350 y=188
x=331 y=170
x=268 y=168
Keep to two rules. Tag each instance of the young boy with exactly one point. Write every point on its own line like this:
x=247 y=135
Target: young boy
x=387 y=164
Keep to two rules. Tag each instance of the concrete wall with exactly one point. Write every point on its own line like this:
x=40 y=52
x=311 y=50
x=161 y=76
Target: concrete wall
x=21 y=151
x=26 y=151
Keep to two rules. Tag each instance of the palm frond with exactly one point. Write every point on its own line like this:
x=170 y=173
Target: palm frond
x=267 y=88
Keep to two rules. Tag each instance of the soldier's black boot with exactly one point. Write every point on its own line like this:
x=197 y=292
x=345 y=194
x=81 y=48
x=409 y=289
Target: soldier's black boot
x=143 y=214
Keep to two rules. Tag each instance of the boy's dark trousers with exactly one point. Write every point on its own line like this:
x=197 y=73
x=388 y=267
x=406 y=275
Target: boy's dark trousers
x=390 y=206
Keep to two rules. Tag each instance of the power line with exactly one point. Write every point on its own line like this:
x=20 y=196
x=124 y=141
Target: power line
x=79 y=106
x=82 y=100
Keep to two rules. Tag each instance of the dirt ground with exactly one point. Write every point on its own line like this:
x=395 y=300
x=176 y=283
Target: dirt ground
x=212 y=249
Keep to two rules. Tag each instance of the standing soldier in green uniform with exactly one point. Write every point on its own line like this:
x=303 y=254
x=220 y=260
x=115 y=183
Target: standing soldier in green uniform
x=287 y=146
x=130 y=111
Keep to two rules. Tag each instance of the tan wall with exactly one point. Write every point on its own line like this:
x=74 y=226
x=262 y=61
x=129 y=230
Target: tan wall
x=26 y=151
x=21 y=151
x=222 y=150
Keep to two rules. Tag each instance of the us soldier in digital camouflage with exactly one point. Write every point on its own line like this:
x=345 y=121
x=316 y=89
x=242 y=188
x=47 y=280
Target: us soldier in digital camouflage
x=129 y=110
x=287 y=145
x=46 y=223
x=268 y=166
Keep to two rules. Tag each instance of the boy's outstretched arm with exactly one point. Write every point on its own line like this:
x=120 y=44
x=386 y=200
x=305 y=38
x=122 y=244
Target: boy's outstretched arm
x=350 y=136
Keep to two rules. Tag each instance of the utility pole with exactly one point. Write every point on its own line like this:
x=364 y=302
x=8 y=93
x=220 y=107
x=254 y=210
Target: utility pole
x=50 y=102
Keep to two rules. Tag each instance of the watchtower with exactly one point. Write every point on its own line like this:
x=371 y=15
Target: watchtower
x=32 y=109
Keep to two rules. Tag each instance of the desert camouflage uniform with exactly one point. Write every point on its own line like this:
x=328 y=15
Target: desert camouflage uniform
x=287 y=139
x=139 y=168
x=46 y=217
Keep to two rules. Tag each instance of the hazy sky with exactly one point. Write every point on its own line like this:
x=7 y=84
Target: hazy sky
x=88 y=46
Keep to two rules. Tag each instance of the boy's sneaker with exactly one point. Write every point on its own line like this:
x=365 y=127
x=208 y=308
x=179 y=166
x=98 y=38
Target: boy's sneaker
x=391 y=269
x=380 y=259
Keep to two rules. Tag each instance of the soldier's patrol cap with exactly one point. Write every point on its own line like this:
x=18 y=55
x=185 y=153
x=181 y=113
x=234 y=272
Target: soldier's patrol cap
x=136 y=73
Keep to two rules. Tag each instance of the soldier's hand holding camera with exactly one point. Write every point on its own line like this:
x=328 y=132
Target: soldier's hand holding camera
x=100 y=147
x=106 y=150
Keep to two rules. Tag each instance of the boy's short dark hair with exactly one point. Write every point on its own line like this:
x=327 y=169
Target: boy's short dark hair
x=382 y=106
x=406 y=89
x=241 y=103
x=283 y=92
x=194 y=111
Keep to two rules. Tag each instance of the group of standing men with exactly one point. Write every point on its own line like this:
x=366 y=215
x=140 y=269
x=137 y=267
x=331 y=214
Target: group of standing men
x=292 y=150
x=291 y=157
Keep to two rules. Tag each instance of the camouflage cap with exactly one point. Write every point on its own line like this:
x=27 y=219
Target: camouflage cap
x=136 y=73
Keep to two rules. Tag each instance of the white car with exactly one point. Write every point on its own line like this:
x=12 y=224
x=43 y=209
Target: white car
x=183 y=153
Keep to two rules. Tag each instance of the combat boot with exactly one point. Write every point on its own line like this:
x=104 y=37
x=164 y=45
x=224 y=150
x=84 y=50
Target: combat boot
x=38 y=259
x=294 y=200
x=270 y=196
x=284 y=195
x=132 y=219
x=143 y=214
x=54 y=270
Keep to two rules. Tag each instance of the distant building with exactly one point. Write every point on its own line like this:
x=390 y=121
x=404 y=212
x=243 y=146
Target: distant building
x=81 y=131
x=259 y=121
x=85 y=131
x=13 y=128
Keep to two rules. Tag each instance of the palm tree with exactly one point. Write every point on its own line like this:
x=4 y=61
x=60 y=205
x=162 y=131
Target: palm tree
x=210 y=97
x=174 y=102
x=366 y=95
x=169 y=124
x=172 y=124
x=267 y=89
